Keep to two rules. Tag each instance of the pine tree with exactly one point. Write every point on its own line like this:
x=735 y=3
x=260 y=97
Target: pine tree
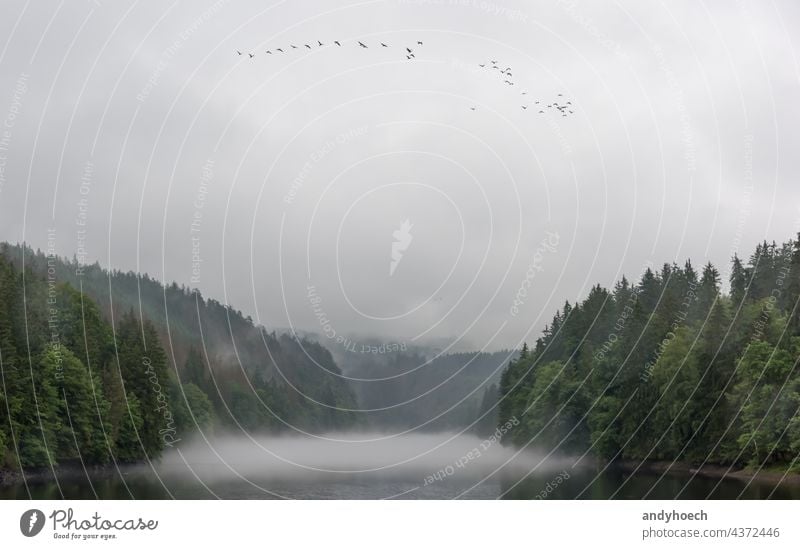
x=738 y=281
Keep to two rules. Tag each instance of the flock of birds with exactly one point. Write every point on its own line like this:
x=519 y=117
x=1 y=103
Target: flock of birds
x=504 y=73
x=408 y=51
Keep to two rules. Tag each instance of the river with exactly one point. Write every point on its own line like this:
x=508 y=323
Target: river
x=378 y=466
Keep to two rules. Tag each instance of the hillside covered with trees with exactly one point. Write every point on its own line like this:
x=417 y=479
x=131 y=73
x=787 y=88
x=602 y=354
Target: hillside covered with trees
x=425 y=389
x=100 y=366
x=670 y=368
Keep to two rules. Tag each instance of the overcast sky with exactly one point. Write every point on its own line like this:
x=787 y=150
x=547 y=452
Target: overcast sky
x=290 y=175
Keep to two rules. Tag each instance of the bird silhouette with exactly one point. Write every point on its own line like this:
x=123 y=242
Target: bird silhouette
x=481 y=66
x=269 y=52
x=408 y=49
x=411 y=55
x=384 y=45
x=362 y=44
x=419 y=43
x=494 y=62
x=280 y=50
x=541 y=112
x=293 y=46
x=251 y=55
x=524 y=93
x=472 y=108
x=524 y=107
x=559 y=95
x=309 y=47
x=336 y=42
x=320 y=43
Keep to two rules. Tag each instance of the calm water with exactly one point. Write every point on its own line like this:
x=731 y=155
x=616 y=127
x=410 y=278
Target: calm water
x=377 y=467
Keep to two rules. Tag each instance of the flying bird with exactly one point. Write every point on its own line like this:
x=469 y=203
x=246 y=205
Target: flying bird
x=541 y=112
x=472 y=108
x=320 y=43
x=269 y=52
x=251 y=55
x=362 y=44
x=524 y=107
x=408 y=49
x=280 y=50
x=384 y=45
x=237 y=51
x=419 y=43
x=494 y=62
x=309 y=47
x=481 y=66
x=336 y=42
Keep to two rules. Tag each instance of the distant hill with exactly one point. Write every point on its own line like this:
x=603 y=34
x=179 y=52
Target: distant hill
x=426 y=389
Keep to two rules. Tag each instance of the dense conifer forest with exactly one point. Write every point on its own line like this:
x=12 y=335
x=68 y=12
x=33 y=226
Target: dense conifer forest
x=670 y=368
x=104 y=366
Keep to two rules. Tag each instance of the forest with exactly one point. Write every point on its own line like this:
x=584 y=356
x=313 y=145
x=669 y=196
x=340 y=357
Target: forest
x=670 y=368
x=425 y=389
x=110 y=366
x=102 y=366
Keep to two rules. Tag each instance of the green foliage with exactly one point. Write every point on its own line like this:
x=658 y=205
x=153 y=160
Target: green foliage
x=210 y=344
x=192 y=408
x=670 y=368
x=81 y=409
x=82 y=383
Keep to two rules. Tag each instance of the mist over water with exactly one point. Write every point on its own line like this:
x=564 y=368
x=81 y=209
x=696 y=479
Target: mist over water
x=380 y=466
x=363 y=465
x=411 y=458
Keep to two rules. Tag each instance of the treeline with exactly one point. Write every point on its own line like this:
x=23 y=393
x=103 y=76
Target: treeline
x=82 y=380
x=415 y=388
x=670 y=368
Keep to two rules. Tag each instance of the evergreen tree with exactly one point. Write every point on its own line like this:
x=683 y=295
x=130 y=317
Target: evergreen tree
x=738 y=281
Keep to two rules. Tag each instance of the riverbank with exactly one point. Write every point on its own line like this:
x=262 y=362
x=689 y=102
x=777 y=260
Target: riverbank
x=10 y=477
x=710 y=471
